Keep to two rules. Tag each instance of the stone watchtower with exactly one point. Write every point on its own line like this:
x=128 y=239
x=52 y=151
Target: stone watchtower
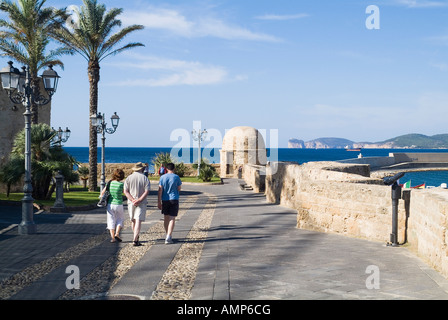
x=240 y=146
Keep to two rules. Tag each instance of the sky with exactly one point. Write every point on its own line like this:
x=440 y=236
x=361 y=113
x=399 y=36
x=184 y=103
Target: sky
x=301 y=69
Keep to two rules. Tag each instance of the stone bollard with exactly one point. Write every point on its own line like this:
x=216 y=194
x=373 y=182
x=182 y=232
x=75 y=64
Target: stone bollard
x=59 y=205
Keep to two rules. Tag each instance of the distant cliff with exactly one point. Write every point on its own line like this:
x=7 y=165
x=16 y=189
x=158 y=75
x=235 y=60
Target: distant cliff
x=409 y=141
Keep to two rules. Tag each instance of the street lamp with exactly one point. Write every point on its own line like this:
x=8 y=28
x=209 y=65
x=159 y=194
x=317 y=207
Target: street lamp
x=61 y=136
x=199 y=136
x=18 y=86
x=99 y=123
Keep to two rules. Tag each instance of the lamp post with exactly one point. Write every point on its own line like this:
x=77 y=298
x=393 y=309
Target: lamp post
x=61 y=136
x=18 y=86
x=99 y=122
x=199 y=136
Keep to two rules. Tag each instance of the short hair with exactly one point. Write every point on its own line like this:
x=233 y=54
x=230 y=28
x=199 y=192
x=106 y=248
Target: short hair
x=170 y=166
x=118 y=175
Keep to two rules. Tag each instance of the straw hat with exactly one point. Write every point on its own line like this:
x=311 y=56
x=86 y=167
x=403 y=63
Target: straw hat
x=139 y=166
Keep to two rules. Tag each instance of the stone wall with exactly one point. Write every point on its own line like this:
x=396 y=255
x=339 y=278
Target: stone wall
x=255 y=176
x=428 y=235
x=336 y=198
x=344 y=199
x=13 y=120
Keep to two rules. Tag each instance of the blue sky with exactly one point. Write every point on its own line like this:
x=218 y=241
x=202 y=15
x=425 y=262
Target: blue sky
x=307 y=68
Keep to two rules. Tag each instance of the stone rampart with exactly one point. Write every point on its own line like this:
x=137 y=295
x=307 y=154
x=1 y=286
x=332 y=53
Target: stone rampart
x=427 y=232
x=336 y=198
x=254 y=176
x=343 y=198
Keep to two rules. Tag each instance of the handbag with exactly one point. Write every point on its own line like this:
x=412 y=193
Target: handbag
x=104 y=199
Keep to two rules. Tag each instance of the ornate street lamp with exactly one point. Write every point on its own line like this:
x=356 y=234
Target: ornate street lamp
x=98 y=121
x=51 y=80
x=199 y=136
x=61 y=136
x=18 y=86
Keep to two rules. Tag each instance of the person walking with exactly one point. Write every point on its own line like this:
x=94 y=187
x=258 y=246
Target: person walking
x=115 y=210
x=136 y=189
x=162 y=170
x=168 y=200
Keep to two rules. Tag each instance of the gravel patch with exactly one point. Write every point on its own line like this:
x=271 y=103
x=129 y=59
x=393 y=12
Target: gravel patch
x=178 y=280
x=20 y=280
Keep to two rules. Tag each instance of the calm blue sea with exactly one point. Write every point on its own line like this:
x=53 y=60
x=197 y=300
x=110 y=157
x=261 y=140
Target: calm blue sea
x=133 y=155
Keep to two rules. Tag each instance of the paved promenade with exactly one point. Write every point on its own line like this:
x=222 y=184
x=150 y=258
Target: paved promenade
x=229 y=245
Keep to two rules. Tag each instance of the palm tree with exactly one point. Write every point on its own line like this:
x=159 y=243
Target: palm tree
x=47 y=159
x=164 y=158
x=25 y=36
x=92 y=38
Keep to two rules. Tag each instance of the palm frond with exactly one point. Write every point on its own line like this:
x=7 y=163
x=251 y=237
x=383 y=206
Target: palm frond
x=93 y=39
x=126 y=47
x=117 y=38
x=26 y=31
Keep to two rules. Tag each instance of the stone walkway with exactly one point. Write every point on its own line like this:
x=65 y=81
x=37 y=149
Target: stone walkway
x=229 y=245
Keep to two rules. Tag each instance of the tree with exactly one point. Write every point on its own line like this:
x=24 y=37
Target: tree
x=164 y=158
x=92 y=38
x=206 y=171
x=47 y=159
x=161 y=159
x=84 y=175
x=25 y=36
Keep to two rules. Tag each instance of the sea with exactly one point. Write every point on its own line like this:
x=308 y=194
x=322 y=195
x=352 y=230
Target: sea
x=190 y=155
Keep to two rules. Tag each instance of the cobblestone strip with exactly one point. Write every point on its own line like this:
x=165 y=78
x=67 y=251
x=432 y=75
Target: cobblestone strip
x=24 y=278
x=178 y=280
x=105 y=276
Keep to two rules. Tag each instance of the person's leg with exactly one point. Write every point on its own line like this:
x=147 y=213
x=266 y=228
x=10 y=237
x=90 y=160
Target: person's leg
x=169 y=223
x=131 y=210
x=166 y=222
x=111 y=222
x=140 y=216
x=119 y=213
x=136 y=229
x=112 y=235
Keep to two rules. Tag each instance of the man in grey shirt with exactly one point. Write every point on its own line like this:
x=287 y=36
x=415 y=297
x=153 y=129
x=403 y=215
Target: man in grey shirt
x=136 y=189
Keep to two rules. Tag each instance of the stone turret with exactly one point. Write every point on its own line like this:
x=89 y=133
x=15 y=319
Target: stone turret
x=240 y=146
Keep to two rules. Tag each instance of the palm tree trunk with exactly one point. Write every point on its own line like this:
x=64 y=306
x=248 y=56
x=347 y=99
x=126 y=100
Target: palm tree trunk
x=94 y=78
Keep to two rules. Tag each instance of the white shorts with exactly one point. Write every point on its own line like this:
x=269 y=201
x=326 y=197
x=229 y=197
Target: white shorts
x=137 y=213
x=115 y=216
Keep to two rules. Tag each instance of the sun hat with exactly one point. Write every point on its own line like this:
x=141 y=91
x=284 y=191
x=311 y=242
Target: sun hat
x=138 y=166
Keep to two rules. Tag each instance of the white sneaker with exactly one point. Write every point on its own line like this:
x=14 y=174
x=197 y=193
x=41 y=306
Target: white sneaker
x=168 y=241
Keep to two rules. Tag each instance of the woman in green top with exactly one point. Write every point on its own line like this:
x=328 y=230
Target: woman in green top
x=115 y=210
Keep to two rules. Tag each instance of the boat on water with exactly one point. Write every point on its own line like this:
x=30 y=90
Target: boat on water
x=407 y=185
x=354 y=150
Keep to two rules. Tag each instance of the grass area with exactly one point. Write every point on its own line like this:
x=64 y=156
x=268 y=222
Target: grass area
x=77 y=196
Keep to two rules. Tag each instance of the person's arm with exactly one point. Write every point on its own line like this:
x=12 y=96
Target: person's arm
x=128 y=195
x=142 y=197
x=104 y=190
x=180 y=185
x=159 y=197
